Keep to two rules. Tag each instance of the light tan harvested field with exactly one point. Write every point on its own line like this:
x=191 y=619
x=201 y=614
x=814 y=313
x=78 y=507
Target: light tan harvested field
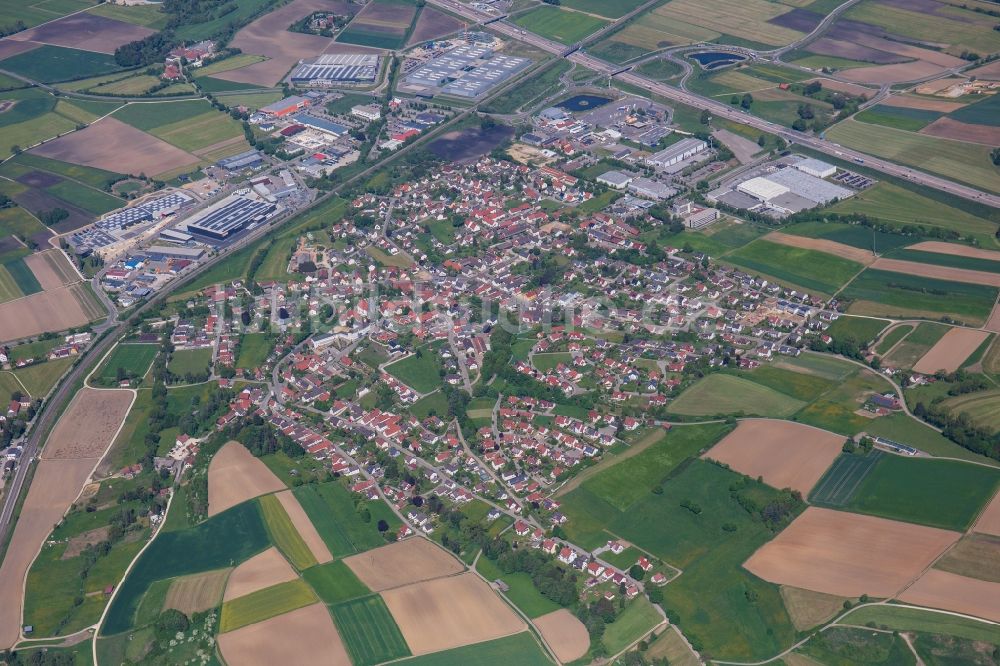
x=234 y=476
x=197 y=593
x=807 y=608
x=939 y=272
x=953 y=129
x=948 y=591
x=950 y=352
x=88 y=425
x=260 y=571
x=847 y=88
x=823 y=245
x=85 y=31
x=113 y=145
x=958 y=250
x=57 y=482
x=51 y=269
x=901 y=72
x=912 y=102
x=269 y=36
x=989 y=72
x=433 y=24
x=938 y=85
x=450 y=612
x=402 y=563
x=786 y=454
x=993 y=323
x=564 y=633
x=848 y=554
x=989 y=519
x=304 y=527
x=54 y=310
x=303 y=636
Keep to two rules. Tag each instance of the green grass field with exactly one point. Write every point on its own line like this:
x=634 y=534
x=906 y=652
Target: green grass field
x=626 y=482
x=940 y=493
x=892 y=338
x=522 y=592
x=221 y=541
x=844 y=645
x=87 y=198
x=899 y=117
x=711 y=596
x=558 y=24
x=56 y=63
x=611 y=10
x=97 y=178
x=135 y=359
x=254 y=350
x=862 y=329
x=837 y=486
x=637 y=620
x=951 y=260
x=897 y=206
x=148 y=16
x=982 y=408
x=985 y=112
x=284 y=535
x=854 y=235
x=330 y=507
x=720 y=393
x=369 y=632
x=883 y=293
x=530 y=90
x=263 y=604
x=22 y=276
x=966 y=162
x=194 y=361
x=902 y=428
x=520 y=649
x=809 y=269
x=929 y=621
x=148 y=116
x=334 y=582
x=39 y=378
x=421 y=373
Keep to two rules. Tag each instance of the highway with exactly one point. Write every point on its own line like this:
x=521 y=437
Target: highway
x=721 y=110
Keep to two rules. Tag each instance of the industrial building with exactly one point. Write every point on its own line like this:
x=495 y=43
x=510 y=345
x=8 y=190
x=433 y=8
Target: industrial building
x=331 y=69
x=370 y=112
x=320 y=124
x=158 y=252
x=465 y=71
x=231 y=215
x=651 y=189
x=615 y=179
x=676 y=153
x=814 y=167
x=762 y=189
x=244 y=160
x=285 y=107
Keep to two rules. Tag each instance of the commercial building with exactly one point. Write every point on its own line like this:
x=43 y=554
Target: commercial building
x=678 y=152
x=468 y=70
x=615 y=179
x=651 y=189
x=248 y=159
x=814 y=167
x=331 y=69
x=157 y=252
x=809 y=187
x=231 y=215
x=320 y=124
x=285 y=107
x=762 y=189
x=370 y=112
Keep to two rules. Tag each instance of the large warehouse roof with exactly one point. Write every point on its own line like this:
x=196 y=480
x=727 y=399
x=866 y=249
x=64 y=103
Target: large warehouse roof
x=809 y=187
x=762 y=188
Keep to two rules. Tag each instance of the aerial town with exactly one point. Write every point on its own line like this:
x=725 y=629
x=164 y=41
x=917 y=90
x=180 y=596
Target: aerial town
x=471 y=332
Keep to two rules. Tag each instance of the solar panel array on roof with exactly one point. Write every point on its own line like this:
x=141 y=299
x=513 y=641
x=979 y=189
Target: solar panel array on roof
x=344 y=67
x=229 y=216
x=467 y=71
x=320 y=124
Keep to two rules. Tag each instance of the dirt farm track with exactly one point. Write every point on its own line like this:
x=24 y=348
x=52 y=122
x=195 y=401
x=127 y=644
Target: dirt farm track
x=72 y=450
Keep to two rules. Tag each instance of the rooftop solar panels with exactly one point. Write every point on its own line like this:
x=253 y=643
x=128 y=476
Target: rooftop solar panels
x=345 y=67
x=229 y=216
x=467 y=71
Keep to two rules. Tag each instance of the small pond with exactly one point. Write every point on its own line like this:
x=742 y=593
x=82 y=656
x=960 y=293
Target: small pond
x=584 y=102
x=716 y=59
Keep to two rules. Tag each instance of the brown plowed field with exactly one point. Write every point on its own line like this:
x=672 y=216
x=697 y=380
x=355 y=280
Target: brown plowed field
x=88 y=32
x=450 y=612
x=907 y=102
x=939 y=272
x=115 y=146
x=303 y=636
x=953 y=129
x=989 y=519
x=260 y=571
x=990 y=72
x=304 y=527
x=269 y=36
x=10 y=48
x=848 y=554
x=954 y=249
x=68 y=457
x=901 y=72
x=950 y=352
x=993 y=323
x=786 y=454
x=823 y=245
x=55 y=310
x=564 y=633
x=197 y=593
x=948 y=591
x=234 y=476
x=433 y=24
x=51 y=269
x=402 y=563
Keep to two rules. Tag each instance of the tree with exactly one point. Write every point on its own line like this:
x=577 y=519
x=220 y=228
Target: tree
x=747 y=101
x=995 y=156
x=636 y=572
x=170 y=622
x=382 y=526
x=761 y=140
x=706 y=117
